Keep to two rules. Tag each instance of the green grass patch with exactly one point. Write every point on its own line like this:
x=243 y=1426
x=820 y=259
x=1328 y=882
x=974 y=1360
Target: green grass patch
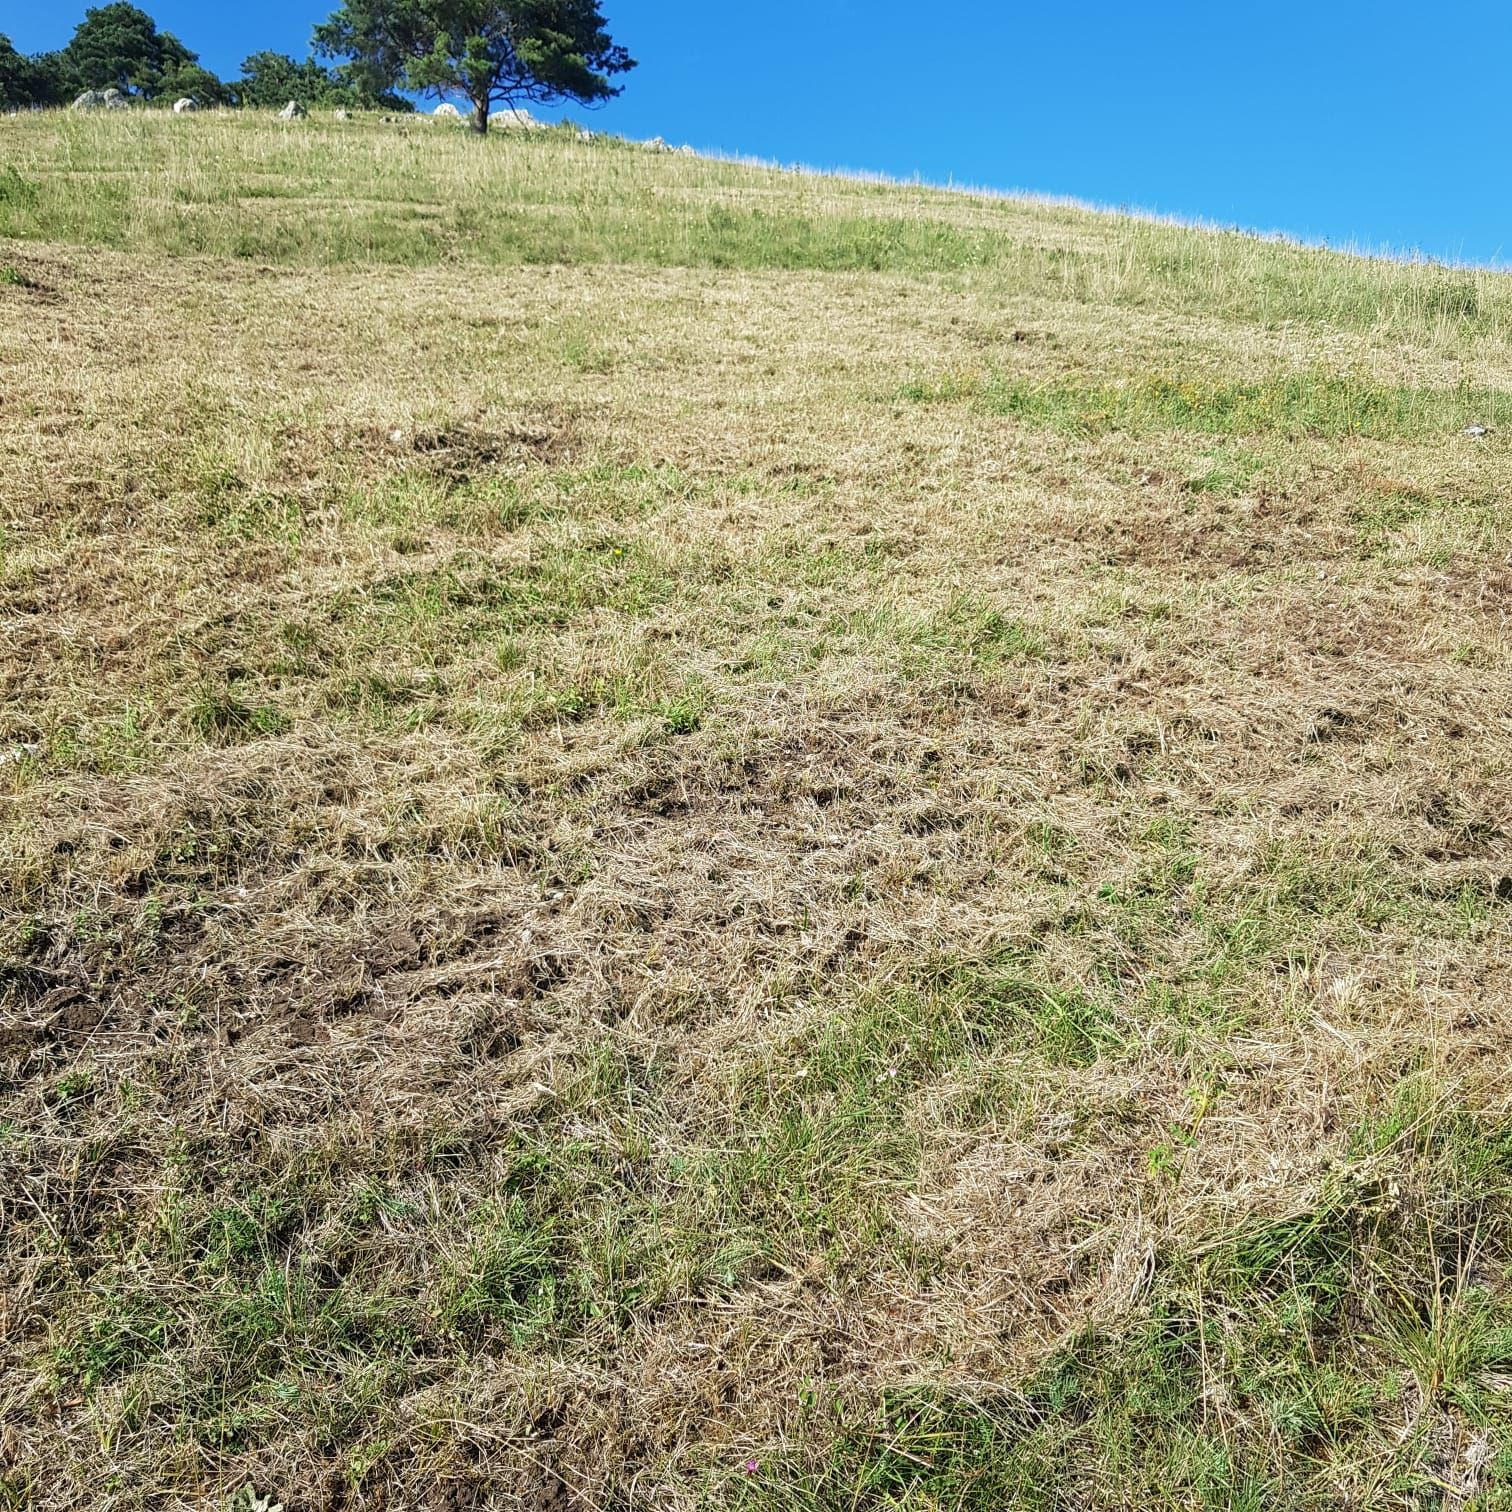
x=221 y=716
x=508 y=1278
x=1267 y=1370
x=1291 y=405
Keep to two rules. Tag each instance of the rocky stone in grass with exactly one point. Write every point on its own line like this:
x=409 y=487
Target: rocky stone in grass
x=446 y=111
x=184 y=106
x=293 y=111
x=521 y=120
x=100 y=99
x=343 y=115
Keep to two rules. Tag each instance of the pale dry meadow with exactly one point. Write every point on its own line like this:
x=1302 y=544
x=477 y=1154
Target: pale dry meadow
x=676 y=836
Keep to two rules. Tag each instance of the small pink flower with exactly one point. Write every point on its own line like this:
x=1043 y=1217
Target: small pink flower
x=751 y=1467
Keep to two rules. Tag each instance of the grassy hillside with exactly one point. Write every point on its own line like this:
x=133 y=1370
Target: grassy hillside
x=674 y=836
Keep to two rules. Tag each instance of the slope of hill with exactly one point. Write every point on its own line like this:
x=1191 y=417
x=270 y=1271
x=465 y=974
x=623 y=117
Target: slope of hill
x=682 y=836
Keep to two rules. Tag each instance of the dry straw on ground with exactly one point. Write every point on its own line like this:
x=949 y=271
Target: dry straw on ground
x=681 y=837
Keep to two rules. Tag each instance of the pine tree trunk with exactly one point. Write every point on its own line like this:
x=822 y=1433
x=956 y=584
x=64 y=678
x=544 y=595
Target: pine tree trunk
x=480 y=117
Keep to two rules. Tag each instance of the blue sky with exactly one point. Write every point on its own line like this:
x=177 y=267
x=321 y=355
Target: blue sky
x=1383 y=126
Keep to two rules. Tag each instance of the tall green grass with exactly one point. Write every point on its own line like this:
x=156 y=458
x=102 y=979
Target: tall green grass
x=410 y=193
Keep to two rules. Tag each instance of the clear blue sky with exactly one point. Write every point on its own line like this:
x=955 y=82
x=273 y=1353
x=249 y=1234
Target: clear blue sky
x=1381 y=125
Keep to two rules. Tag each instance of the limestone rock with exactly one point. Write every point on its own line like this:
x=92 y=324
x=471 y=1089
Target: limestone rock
x=100 y=99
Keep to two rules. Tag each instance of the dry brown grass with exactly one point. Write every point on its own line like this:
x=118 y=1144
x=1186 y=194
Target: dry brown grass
x=614 y=871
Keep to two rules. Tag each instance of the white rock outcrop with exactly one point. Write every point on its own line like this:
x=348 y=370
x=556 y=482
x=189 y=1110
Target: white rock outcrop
x=100 y=99
x=184 y=106
x=293 y=111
